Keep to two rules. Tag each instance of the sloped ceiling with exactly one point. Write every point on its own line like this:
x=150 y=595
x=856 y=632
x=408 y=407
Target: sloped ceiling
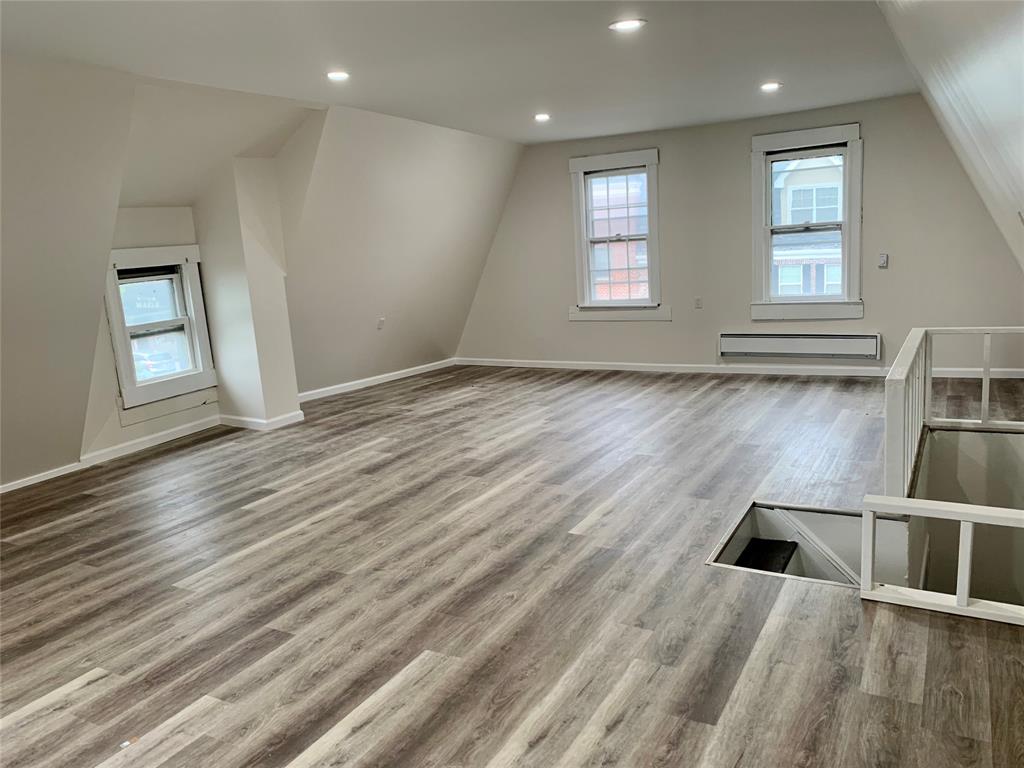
x=969 y=58
x=180 y=134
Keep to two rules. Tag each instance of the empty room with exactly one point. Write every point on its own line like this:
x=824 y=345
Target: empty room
x=512 y=384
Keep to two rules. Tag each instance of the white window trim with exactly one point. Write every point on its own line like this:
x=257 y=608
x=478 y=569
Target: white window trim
x=578 y=168
x=187 y=258
x=848 y=305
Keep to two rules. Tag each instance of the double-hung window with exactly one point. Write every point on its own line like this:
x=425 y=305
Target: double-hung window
x=158 y=323
x=616 y=209
x=806 y=195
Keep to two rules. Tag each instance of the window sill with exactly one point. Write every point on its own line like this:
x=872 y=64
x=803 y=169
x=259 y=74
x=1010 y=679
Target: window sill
x=662 y=312
x=807 y=310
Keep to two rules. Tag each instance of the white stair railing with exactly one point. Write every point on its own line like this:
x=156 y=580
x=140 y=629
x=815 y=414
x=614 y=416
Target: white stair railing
x=961 y=603
x=908 y=402
x=908 y=415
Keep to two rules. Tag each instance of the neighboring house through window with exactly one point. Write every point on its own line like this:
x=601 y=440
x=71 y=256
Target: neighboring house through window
x=806 y=190
x=615 y=199
x=158 y=323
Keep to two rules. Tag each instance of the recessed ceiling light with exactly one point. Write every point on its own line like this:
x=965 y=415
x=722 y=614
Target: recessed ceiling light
x=627 y=25
x=337 y=76
x=771 y=86
x=542 y=117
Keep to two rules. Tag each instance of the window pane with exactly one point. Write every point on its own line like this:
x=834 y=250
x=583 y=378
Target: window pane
x=160 y=354
x=637 y=188
x=148 y=301
x=599 y=223
x=599 y=256
x=802 y=186
x=617 y=191
x=620 y=291
x=599 y=192
x=833 y=279
x=800 y=261
x=618 y=253
x=639 y=291
x=638 y=253
x=618 y=222
x=638 y=275
x=638 y=221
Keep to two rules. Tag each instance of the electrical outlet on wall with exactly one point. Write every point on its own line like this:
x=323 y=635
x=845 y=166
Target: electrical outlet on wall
x=698 y=303
x=380 y=322
x=883 y=261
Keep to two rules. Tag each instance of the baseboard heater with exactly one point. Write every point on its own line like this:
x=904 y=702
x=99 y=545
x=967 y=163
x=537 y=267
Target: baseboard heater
x=846 y=345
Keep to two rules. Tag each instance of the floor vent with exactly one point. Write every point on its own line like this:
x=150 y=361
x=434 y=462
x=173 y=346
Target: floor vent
x=847 y=345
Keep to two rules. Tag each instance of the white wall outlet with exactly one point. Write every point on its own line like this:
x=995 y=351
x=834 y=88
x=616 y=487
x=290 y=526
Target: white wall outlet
x=883 y=261
x=380 y=322
x=698 y=303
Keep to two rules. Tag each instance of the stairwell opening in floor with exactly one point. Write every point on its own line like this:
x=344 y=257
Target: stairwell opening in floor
x=815 y=543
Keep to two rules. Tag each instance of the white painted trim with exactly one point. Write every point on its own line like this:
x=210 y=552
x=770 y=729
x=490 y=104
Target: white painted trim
x=783 y=369
x=49 y=474
x=810 y=137
x=383 y=378
x=141 y=443
x=620 y=314
x=153 y=256
x=939 y=601
x=115 y=452
x=262 y=425
x=725 y=368
x=616 y=160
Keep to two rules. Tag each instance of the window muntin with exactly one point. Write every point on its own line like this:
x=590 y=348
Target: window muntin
x=616 y=209
x=806 y=214
x=158 y=324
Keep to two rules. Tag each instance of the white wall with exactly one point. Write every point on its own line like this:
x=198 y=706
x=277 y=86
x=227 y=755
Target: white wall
x=64 y=129
x=949 y=264
x=969 y=59
x=975 y=468
x=107 y=425
x=226 y=293
x=397 y=221
x=259 y=215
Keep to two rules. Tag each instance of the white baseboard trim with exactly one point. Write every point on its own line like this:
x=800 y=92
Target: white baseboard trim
x=115 y=452
x=262 y=425
x=738 y=368
x=768 y=369
x=975 y=373
x=351 y=386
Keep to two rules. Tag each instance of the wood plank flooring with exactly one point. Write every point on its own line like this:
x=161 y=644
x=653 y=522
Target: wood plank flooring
x=483 y=568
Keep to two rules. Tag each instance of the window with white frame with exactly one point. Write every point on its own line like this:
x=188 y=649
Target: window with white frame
x=806 y=195
x=158 y=323
x=615 y=199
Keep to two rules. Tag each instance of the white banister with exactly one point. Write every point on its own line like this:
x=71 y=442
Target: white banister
x=963 y=563
x=968 y=515
x=908 y=416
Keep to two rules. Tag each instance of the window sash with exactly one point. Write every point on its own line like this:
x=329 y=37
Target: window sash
x=769 y=230
x=587 y=241
x=180 y=264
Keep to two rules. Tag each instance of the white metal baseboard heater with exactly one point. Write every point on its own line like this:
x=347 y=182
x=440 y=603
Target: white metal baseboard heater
x=862 y=346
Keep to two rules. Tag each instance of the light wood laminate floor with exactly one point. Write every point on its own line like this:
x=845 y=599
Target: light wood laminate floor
x=483 y=567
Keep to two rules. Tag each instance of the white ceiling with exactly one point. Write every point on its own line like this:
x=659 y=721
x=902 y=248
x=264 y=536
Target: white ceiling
x=488 y=67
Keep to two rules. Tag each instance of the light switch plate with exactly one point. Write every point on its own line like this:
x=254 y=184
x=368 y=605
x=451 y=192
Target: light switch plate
x=883 y=261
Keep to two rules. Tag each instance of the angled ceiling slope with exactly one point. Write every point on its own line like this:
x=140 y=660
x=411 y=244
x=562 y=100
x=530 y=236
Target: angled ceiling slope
x=969 y=57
